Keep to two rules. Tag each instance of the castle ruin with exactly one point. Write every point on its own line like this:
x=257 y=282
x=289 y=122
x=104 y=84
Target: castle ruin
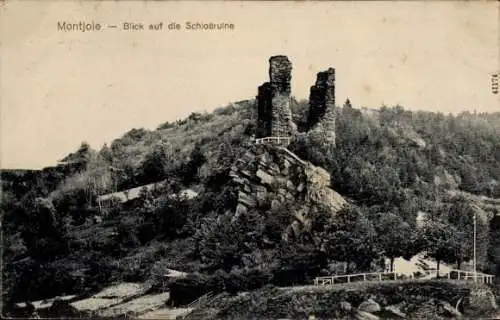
x=321 y=120
x=322 y=96
x=274 y=113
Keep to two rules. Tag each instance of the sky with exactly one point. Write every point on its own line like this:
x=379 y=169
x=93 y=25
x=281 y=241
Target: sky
x=60 y=88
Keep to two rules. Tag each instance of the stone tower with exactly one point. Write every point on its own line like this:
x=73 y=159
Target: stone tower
x=273 y=99
x=322 y=96
x=321 y=119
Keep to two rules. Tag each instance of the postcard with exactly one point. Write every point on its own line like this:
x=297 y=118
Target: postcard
x=250 y=159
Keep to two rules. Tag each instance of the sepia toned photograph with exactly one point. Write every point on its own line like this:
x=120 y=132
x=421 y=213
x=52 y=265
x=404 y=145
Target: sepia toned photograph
x=231 y=160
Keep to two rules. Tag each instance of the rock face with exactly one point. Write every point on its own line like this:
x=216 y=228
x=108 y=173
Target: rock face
x=268 y=174
x=273 y=99
x=321 y=119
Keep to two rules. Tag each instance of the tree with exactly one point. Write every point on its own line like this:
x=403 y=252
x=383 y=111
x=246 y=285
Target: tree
x=106 y=154
x=225 y=242
x=98 y=177
x=220 y=243
x=351 y=238
x=460 y=215
x=81 y=156
x=347 y=104
x=297 y=263
x=153 y=167
x=494 y=249
x=165 y=216
x=189 y=171
x=394 y=236
x=440 y=242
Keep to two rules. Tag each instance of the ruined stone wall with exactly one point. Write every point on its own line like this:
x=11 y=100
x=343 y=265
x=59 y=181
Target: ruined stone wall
x=265 y=109
x=322 y=96
x=321 y=119
x=274 y=113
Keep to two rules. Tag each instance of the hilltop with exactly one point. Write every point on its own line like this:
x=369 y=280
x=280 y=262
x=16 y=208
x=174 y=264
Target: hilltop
x=366 y=174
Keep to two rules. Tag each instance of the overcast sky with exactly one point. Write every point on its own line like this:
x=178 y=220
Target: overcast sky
x=61 y=88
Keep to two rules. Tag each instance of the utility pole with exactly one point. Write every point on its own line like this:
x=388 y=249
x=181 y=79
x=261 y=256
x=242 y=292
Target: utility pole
x=474 y=261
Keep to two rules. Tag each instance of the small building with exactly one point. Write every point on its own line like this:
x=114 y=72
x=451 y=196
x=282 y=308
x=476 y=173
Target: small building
x=121 y=197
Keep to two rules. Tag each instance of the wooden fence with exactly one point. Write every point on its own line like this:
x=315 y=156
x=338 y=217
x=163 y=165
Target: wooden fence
x=347 y=278
x=470 y=275
x=276 y=140
x=380 y=276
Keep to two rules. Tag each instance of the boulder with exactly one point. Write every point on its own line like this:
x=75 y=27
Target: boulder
x=393 y=309
x=345 y=306
x=451 y=311
x=362 y=315
x=369 y=306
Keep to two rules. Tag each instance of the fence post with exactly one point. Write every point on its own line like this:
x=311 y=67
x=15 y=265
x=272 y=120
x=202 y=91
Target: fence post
x=364 y=277
x=394 y=275
x=379 y=277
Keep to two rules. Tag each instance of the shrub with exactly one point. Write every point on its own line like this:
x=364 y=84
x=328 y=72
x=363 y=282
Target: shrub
x=244 y=280
x=188 y=289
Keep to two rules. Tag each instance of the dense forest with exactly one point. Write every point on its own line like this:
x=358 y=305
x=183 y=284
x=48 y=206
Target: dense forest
x=389 y=163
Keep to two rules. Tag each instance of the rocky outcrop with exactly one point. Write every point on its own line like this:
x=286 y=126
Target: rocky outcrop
x=272 y=176
x=321 y=119
x=273 y=100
